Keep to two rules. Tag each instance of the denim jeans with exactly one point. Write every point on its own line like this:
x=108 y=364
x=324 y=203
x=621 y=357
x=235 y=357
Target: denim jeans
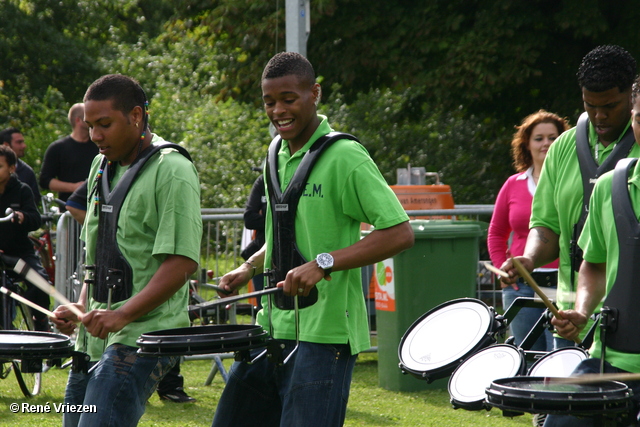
x=526 y=318
x=310 y=390
x=592 y=366
x=119 y=386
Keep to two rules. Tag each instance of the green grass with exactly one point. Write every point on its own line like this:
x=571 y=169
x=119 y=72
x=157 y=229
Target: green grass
x=369 y=405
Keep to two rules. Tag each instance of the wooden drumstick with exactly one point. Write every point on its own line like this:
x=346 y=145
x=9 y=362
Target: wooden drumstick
x=495 y=270
x=527 y=277
x=594 y=378
x=26 y=301
x=23 y=269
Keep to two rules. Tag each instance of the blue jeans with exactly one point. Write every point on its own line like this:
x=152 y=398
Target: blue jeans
x=523 y=322
x=310 y=390
x=118 y=386
x=592 y=366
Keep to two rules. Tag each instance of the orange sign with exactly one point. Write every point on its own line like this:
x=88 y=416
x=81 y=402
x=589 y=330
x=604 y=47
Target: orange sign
x=384 y=285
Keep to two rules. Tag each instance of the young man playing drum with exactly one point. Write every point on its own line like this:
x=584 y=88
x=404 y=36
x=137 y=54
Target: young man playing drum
x=343 y=189
x=142 y=232
x=610 y=271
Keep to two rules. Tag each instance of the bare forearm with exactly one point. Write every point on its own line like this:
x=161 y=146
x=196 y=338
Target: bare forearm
x=170 y=277
x=542 y=246
x=591 y=287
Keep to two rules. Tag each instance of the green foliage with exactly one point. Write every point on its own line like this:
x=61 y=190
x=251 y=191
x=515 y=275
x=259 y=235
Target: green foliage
x=399 y=129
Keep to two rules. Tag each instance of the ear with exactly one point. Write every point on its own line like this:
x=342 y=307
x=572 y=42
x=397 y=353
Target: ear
x=12 y=169
x=317 y=93
x=136 y=115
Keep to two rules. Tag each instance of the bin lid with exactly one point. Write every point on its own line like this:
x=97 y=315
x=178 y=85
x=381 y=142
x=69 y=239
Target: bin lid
x=445 y=228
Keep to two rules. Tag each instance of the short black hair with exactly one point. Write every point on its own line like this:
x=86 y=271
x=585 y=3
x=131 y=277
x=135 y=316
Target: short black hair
x=125 y=92
x=6 y=135
x=606 y=67
x=289 y=63
x=635 y=90
x=8 y=154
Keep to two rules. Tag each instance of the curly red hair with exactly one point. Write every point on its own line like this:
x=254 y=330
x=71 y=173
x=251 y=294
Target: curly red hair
x=522 y=159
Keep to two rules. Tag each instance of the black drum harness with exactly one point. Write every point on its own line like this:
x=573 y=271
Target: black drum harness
x=285 y=253
x=620 y=315
x=113 y=276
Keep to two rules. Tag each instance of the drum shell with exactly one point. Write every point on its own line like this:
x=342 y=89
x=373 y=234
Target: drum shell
x=538 y=395
x=468 y=383
x=467 y=324
x=33 y=345
x=209 y=339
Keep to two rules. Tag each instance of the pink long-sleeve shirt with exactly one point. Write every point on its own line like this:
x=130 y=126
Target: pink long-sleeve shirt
x=511 y=214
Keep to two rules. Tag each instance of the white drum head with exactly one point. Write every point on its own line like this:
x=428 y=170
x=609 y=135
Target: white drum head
x=445 y=336
x=469 y=382
x=558 y=363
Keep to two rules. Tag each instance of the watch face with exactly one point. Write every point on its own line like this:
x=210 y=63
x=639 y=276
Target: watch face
x=324 y=261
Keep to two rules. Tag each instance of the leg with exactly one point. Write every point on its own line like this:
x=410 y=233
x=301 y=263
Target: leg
x=171 y=387
x=317 y=385
x=250 y=397
x=120 y=386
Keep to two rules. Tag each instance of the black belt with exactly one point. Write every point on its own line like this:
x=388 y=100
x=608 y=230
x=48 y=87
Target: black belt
x=548 y=279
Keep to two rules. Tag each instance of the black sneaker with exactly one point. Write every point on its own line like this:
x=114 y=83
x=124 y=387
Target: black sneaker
x=177 y=396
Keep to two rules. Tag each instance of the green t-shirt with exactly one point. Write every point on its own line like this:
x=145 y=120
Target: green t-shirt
x=160 y=216
x=599 y=241
x=557 y=204
x=345 y=188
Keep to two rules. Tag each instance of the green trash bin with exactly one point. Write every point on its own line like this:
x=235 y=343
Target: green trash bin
x=441 y=266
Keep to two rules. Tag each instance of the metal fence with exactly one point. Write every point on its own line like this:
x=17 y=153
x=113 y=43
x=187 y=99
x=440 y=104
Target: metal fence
x=221 y=244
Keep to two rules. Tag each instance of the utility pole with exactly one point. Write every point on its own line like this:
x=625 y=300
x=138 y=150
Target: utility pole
x=298 y=25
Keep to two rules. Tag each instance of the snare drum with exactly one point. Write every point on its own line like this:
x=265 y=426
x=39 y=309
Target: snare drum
x=31 y=345
x=558 y=363
x=207 y=339
x=538 y=395
x=468 y=383
x=435 y=345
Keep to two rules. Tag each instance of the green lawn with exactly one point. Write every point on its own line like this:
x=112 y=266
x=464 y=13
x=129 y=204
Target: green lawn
x=369 y=405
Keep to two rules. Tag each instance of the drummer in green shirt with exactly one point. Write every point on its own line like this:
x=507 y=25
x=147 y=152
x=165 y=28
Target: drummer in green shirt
x=605 y=265
x=605 y=76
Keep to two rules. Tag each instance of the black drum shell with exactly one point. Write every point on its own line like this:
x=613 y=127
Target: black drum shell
x=209 y=339
x=539 y=395
x=34 y=345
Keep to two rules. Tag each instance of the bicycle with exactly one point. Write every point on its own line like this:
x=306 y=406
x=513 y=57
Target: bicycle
x=17 y=316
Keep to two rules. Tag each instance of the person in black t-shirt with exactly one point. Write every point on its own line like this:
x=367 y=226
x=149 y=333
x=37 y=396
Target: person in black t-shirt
x=67 y=161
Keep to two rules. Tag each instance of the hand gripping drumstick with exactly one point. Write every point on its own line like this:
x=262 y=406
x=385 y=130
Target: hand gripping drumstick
x=26 y=301
x=23 y=269
x=527 y=277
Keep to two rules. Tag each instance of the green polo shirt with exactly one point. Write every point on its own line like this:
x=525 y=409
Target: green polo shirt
x=160 y=216
x=557 y=203
x=599 y=241
x=345 y=188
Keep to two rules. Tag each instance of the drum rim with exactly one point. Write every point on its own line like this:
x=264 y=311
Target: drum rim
x=588 y=403
x=480 y=397
x=485 y=339
x=224 y=346
x=59 y=341
x=204 y=332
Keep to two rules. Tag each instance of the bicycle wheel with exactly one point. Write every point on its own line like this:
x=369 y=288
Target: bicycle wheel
x=29 y=375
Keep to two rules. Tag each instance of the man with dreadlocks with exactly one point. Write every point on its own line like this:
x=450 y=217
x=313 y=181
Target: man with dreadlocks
x=142 y=232
x=602 y=136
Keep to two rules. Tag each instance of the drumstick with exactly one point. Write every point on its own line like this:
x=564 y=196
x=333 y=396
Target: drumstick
x=23 y=269
x=229 y=300
x=527 y=277
x=594 y=378
x=495 y=270
x=26 y=301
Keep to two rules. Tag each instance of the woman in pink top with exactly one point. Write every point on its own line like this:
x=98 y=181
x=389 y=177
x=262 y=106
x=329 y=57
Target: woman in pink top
x=511 y=215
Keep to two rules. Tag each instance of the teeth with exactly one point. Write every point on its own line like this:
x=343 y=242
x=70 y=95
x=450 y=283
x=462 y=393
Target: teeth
x=284 y=122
